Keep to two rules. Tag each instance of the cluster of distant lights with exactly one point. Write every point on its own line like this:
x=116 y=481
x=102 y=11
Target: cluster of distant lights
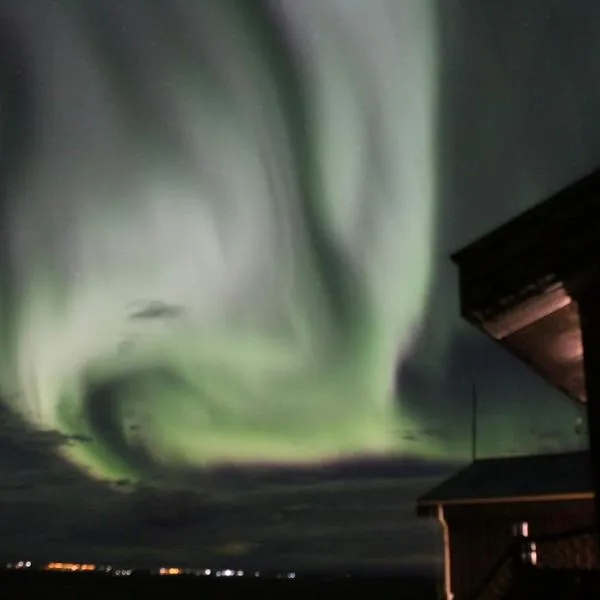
x=67 y=567
x=210 y=572
x=70 y=567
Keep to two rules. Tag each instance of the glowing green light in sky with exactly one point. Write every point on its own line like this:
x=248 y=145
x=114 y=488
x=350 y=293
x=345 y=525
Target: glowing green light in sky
x=223 y=233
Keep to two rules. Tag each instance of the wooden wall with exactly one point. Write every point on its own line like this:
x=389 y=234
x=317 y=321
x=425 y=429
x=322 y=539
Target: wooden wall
x=481 y=533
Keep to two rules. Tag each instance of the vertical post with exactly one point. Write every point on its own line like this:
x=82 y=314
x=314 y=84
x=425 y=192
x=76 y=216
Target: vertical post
x=474 y=425
x=588 y=300
x=447 y=555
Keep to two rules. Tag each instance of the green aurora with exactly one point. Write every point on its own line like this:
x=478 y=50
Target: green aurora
x=221 y=236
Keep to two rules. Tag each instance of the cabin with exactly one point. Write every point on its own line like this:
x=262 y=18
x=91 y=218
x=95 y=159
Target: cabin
x=487 y=508
x=533 y=287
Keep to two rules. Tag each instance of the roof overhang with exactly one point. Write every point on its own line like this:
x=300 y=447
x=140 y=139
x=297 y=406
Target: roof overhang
x=429 y=508
x=517 y=283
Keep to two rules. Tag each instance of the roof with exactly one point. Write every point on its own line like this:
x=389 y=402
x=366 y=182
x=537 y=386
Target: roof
x=549 y=476
x=571 y=203
x=519 y=282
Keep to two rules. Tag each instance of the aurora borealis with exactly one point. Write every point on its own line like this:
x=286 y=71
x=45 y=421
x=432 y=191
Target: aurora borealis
x=225 y=231
x=251 y=168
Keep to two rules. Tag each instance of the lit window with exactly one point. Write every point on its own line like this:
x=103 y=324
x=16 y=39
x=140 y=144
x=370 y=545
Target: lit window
x=521 y=529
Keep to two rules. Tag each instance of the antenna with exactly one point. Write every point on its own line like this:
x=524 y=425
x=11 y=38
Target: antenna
x=474 y=425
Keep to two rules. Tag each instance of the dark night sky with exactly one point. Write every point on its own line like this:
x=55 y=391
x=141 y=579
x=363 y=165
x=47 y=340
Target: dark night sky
x=518 y=120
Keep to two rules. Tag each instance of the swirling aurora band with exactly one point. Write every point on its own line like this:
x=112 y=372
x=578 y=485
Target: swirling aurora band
x=218 y=227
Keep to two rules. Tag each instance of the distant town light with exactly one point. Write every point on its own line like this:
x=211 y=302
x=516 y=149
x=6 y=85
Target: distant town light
x=170 y=571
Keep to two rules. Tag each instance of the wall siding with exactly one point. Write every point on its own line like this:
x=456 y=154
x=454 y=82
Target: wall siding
x=481 y=533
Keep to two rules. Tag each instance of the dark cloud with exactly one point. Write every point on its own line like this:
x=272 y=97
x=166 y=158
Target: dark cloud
x=357 y=514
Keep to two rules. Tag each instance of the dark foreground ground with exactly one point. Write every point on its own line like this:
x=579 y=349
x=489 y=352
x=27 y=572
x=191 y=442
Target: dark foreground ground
x=19 y=584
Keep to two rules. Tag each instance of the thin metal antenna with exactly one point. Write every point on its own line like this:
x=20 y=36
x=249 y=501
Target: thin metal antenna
x=474 y=425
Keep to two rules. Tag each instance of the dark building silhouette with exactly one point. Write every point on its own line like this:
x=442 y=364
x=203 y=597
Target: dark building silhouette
x=533 y=286
x=483 y=506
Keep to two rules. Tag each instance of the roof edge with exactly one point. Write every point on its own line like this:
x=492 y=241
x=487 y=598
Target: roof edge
x=508 y=499
x=587 y=179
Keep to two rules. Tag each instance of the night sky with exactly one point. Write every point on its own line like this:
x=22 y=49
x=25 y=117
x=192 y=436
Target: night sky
x=230 y=325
